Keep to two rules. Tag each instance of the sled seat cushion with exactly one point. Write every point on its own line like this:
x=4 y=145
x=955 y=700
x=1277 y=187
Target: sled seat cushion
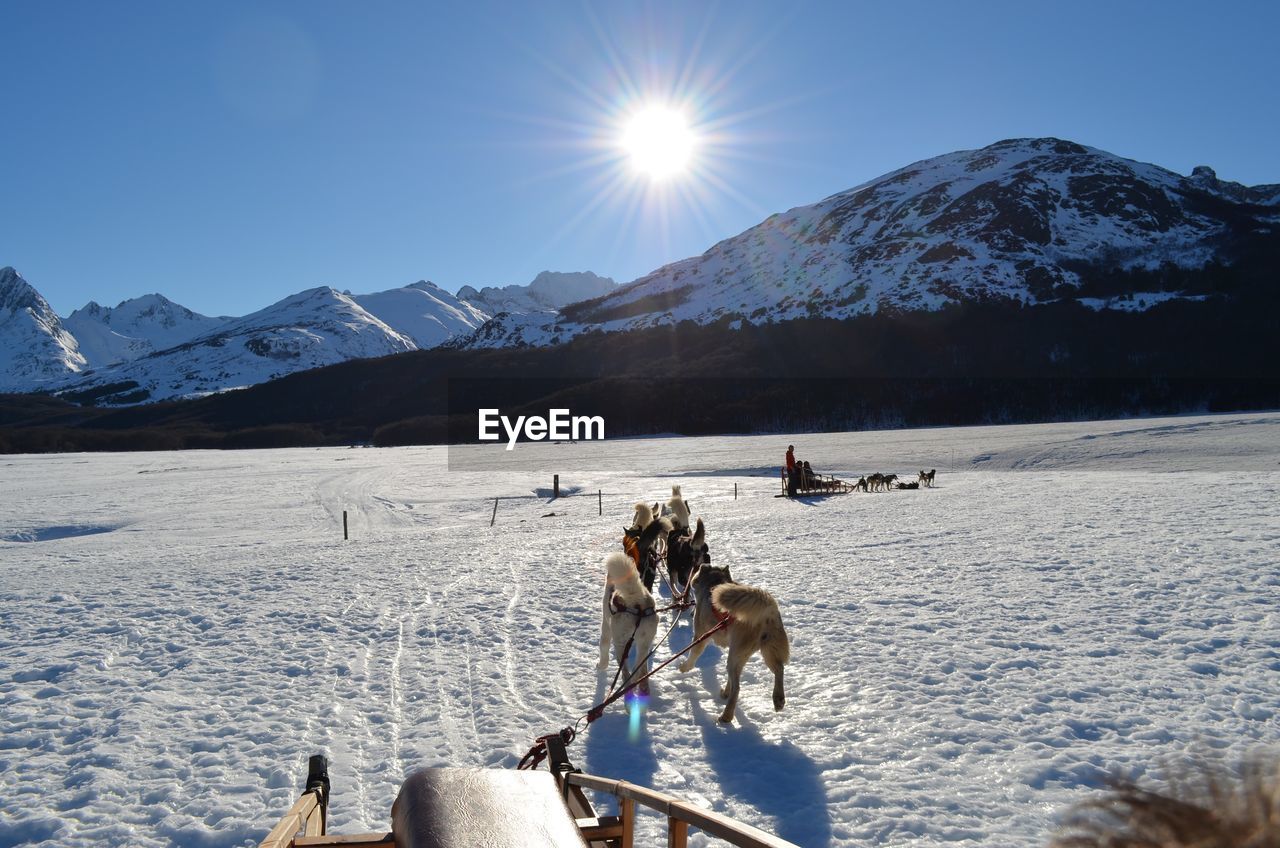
x=497 y=808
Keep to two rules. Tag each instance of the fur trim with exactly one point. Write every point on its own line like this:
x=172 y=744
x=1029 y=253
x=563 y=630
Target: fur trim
x=625 y=580
x=620 y=568
x=745 y=603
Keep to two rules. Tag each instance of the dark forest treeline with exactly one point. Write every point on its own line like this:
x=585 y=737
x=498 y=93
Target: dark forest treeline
x=993 y=362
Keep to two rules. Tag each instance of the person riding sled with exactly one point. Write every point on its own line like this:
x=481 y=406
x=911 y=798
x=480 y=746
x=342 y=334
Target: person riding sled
x=791 y=470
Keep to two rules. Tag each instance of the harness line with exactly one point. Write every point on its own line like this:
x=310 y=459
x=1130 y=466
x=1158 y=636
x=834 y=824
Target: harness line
x=538 y=752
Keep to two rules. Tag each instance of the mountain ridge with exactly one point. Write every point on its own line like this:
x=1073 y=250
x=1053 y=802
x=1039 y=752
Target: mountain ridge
x=151 y=348
x=1020 y=219
x=1024 y=221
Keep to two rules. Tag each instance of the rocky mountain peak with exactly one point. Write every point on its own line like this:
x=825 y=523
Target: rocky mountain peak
x=16 y=293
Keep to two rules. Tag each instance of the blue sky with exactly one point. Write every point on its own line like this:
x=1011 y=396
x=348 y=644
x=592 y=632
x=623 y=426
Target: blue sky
x=228 y=154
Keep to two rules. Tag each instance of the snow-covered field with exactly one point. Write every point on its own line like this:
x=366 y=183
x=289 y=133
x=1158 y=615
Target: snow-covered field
x=178 y=632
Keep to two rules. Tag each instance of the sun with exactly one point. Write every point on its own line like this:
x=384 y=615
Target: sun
x=659 y=141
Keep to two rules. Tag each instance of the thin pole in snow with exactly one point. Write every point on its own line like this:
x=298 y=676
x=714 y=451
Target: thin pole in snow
x=344 y=525
x=555 y=486
x=735 y=491
x=600 y=500
x=494 y=517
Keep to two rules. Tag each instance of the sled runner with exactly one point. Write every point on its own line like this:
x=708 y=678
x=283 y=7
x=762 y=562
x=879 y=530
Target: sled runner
x=815 y=484
x=506 y=808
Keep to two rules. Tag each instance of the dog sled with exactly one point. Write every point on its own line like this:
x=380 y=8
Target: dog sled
x=507 y=808
x=814 y=484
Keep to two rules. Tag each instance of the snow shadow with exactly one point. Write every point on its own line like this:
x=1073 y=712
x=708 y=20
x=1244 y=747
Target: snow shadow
x=779 y=780
x=612 y=752
x=548 y=493
x=746 y=471
x=65 y=531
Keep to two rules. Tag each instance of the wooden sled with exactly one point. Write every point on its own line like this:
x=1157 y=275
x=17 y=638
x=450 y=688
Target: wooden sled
x=506 y=808
x=816 y=485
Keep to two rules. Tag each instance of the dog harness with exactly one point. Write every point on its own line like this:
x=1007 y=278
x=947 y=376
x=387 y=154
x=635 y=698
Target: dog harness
x=618 y=605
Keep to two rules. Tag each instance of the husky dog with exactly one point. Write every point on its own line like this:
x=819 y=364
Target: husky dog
x=639 y=539
x=912 y=485
x=684 y=554
x=643 y=517
x=861 y=484
x=755 y=624
x=629 y=614
x=888 y=480
x=678 y=509
x=926 y=480
x=875 y=481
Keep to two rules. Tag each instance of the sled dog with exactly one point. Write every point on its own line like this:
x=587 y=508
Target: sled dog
x=678 y=509
x=861 y=484
x=639 y=543
x=642 y=519
x=628 y=609
x=684 y=554
x=888 y=480
x=927 y=479
x=755 y=624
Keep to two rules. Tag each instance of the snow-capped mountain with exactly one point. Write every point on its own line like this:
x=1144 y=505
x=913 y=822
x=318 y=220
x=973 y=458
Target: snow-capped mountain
x=150 y=348
x=135 y=328
x=549 y=291
x=316 y=327
x=1019 y=219
x=1023 y=220
x=35 y=348
x=423 y=312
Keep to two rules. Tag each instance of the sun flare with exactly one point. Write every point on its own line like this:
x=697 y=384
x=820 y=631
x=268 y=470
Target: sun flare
x=659 y=142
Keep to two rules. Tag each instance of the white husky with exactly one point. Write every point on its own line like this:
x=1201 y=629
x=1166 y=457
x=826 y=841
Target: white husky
x=643 y=517
x=629 y=614
x=678 y=509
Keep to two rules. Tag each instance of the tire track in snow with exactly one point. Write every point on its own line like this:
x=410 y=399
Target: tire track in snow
x=509 y=623
x=442 y=674
x=396 y=696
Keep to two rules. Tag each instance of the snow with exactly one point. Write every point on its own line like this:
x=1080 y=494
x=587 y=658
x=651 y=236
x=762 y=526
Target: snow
x=136 y=327
x=309 y=329
x=34 y=346
x=549 y=291
x=423 y=312
x=170 y=351
x=181 y=630
x=1137 y=301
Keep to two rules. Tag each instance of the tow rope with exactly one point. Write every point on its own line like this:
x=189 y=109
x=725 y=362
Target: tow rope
x=538 y=752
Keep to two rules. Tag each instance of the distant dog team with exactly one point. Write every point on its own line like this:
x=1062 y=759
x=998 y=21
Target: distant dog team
x=889 y=482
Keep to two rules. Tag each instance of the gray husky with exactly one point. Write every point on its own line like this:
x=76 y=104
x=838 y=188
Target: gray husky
x=755 y=624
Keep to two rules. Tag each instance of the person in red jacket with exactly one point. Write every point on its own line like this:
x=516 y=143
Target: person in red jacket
x=791 y=470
